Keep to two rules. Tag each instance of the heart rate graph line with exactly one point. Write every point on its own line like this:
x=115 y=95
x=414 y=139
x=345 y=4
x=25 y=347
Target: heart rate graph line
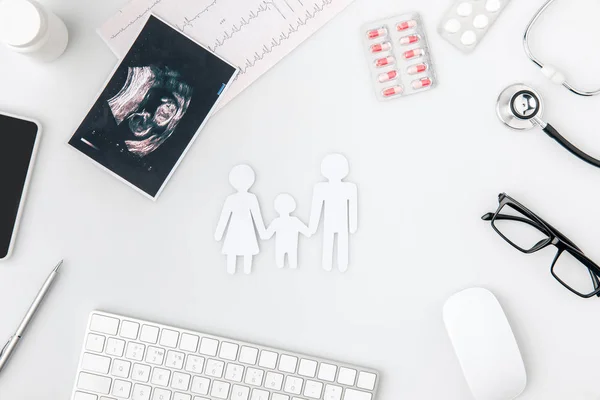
x=188 y=22
x=245 y=21
x=276 y=42
x=136 y=19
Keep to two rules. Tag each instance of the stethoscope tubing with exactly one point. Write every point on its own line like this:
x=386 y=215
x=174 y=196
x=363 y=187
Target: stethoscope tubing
x=554 y=134
x=539 y=63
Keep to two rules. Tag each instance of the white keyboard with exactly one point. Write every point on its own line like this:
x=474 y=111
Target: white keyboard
x=126 y=358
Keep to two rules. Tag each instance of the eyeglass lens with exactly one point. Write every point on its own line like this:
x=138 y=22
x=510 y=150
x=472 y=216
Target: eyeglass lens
x=520 y=230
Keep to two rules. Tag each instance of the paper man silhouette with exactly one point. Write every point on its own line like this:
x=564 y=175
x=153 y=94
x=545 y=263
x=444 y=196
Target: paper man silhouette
x=241 y=212
x=338 y=201
x=286 y=228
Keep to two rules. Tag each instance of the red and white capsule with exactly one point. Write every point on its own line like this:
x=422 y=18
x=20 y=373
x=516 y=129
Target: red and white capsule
x=410 y=39
x=404 y=25
x=392 y=91
x=410 y=54
x=379 y=47
x=421 y=83
x=416 y=69
x=387 y=76
x=376 y=33
x=382 y=62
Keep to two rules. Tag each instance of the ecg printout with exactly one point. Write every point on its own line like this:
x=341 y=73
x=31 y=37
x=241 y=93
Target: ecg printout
x=251 y=34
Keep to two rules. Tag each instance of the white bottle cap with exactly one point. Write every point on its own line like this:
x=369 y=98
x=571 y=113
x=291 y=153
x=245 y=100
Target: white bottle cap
x=21 y=23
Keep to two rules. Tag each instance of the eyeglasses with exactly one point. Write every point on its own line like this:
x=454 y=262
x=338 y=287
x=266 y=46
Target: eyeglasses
x=528 y=233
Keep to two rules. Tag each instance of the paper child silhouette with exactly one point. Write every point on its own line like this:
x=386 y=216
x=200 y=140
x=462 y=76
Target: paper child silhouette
x=286 y=228
x=339 y=200
x=241 y=212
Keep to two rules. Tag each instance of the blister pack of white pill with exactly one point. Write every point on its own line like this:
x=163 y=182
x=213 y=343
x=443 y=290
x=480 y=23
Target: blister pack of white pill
x=399 y=57
x=467 y=21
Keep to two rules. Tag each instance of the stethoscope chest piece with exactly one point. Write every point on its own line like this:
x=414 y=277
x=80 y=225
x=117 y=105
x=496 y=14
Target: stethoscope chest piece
x=519 y=107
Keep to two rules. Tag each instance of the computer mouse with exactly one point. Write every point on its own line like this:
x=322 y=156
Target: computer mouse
x=485 y=345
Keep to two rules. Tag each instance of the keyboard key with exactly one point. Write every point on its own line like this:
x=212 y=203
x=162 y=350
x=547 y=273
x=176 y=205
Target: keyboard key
x=268 y=359
x=288 y=363
x=160 y=377
x=129 y=330
x=234 y=372
x=327 y=372
x=352 y=394
x=214 y=368
x=95 y=343
x=135 y=351
x=180 y=381
x=189 y=342
x=313 y=389
x=332 y=392
x=115 y=347
x=220 y=390
x=181 y=396
x=104 y=324
x=239 y=392
x=248 y=355
x=155 y=355
x=366 y=380
x=121 y=368
x=347 y=376
x=94 y=383
x=228 y=351
x=307 y=368
x=95 y=363
x=209 y=347
x=121 y=389
x=293 y=385
x=273 y=381
x=141 y=392
x=200 y=385
x=279 y=396
x=84 y=396
x=149 y=334
x=140 y=373
x=174 y=359
x=169 y=338
x=258 y=394
x=194 y=364
x=161 y=394
x=254 y=376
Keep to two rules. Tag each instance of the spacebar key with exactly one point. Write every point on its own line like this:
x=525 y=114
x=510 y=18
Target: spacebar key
x=94 y=383
x=351 y=394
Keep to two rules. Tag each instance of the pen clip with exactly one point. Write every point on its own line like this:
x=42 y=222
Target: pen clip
x=5 y=346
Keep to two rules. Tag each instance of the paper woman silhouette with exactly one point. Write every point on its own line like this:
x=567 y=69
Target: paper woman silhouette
x=240 y=214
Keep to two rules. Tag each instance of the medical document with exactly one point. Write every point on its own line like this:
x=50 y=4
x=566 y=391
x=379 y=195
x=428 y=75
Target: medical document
x=251 y=34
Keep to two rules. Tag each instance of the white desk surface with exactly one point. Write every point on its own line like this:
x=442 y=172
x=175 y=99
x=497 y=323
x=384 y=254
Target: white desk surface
x=427 y=167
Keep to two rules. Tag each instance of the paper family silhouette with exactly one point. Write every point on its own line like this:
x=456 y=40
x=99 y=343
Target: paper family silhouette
x=335 y=202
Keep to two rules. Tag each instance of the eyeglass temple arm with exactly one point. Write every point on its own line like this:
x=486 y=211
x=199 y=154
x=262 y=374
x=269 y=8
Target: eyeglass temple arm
x=490 y=216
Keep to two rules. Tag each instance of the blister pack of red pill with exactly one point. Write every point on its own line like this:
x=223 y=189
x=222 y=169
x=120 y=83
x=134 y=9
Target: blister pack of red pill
x=399 y=57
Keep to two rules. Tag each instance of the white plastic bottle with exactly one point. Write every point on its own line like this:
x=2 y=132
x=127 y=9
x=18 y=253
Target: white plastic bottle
x=27 y=27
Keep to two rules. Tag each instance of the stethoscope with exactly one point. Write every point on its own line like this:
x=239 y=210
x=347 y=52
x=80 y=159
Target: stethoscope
x=520 y=107
x=548 y=70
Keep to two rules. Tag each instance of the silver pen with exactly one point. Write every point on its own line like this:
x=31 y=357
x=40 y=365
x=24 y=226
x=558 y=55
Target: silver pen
x=11 y=345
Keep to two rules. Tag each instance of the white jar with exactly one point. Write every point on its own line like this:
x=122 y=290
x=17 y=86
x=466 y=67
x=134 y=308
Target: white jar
x=27 y=27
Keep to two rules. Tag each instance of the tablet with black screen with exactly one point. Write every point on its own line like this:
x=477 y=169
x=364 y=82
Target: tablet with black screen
x=18 y=144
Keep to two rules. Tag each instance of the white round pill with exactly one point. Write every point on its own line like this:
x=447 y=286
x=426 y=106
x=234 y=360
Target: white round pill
x=464 y=9
x=452 y=26
x=468 y=38
x=481 y=21
x=493 y=5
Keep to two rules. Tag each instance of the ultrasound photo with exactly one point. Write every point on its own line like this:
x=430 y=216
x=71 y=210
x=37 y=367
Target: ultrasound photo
x=153 y=106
